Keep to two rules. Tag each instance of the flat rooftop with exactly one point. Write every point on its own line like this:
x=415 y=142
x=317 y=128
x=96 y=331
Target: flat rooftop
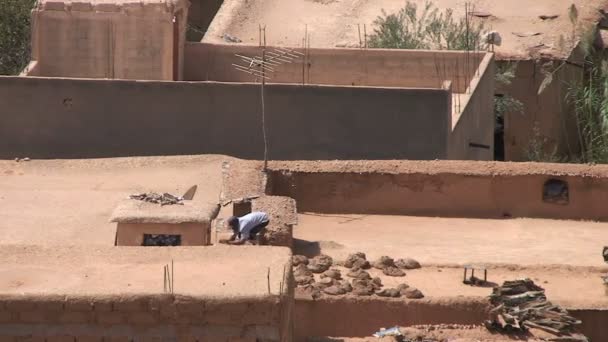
x=67 y=202
x=333 y=23
x=434 y=240
x=219 y=271
x=570 y=287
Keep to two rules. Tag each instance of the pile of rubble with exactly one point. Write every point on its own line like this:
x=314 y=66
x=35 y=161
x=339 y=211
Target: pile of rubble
x=152 y=197
x=520 y=305
x=332 y=283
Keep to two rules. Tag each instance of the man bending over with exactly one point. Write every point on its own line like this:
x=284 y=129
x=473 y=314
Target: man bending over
x=246 y=228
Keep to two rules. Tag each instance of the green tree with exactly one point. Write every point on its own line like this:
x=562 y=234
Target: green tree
x=14 y=35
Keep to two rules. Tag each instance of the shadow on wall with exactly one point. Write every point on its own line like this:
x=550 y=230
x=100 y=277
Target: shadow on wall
x=200 y=16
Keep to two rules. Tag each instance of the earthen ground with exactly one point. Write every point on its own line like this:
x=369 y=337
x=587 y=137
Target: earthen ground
x=223 y=271
x=48 y=202
x=460 y=241
x=332 y=23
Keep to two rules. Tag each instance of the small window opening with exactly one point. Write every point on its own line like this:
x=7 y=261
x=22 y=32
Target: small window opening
x=162 y=240
x=241 y=208
x=556 y=191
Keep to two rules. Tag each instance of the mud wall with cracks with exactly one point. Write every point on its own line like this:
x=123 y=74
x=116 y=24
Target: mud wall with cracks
x=83 y=118
x=358 y=317
x=436 y=192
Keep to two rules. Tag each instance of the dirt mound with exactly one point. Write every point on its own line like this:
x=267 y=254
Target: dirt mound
x=412 y=293
x=333 y=273
x=299 y=259
x=334 y=290
x=383 y=262
x=407 y=264
x=357 y=260
x=320 y=263
x=393 y=271
x=390 y=292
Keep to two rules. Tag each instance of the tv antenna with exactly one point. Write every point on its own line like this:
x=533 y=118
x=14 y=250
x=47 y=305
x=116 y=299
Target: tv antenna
x=261 y=68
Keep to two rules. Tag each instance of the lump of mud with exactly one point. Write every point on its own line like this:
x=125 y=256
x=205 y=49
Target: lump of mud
x=299 y=260
x=334 y=274
x=326 y=282
x=359 y=274
x=412 y=293
x=304 y=280
x=346 y=286
x=311 y=290
x=363 y=290
x=401 y=287
x=384 y=262
x=352 y=258
x=393 y=293
x=361 y=263
x=407 y=264
x=393 y=271
x=320 y=263
x=334 y=290
x=377 y=283
x=301 y=270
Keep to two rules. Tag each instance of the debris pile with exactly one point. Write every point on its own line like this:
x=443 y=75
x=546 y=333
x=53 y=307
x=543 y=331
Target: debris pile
x=331 y=282
x=520 y=305
x=152 y=197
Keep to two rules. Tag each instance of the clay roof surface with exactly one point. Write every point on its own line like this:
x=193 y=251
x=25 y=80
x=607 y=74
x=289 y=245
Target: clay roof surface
x=210 y=272
x=135 y=211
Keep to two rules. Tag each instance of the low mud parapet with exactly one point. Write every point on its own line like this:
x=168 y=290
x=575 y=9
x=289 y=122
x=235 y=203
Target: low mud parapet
x=349 y=316
x=361 y=316
x=119 y=293
x=444 y=188
x=139 y=318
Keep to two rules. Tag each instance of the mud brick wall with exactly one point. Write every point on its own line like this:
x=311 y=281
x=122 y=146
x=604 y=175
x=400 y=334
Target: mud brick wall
x=144 y=318
x=337 y=66
x=353 y=317
x=76 y=118
x=283 y=216
x=442 y=188
x=244 y=182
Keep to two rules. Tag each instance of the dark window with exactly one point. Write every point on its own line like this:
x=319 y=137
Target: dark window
x=241 y=208
x=162 y=240
x=555 y=191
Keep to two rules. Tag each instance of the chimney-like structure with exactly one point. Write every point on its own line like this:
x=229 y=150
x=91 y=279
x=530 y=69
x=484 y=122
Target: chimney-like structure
x=116 y=39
